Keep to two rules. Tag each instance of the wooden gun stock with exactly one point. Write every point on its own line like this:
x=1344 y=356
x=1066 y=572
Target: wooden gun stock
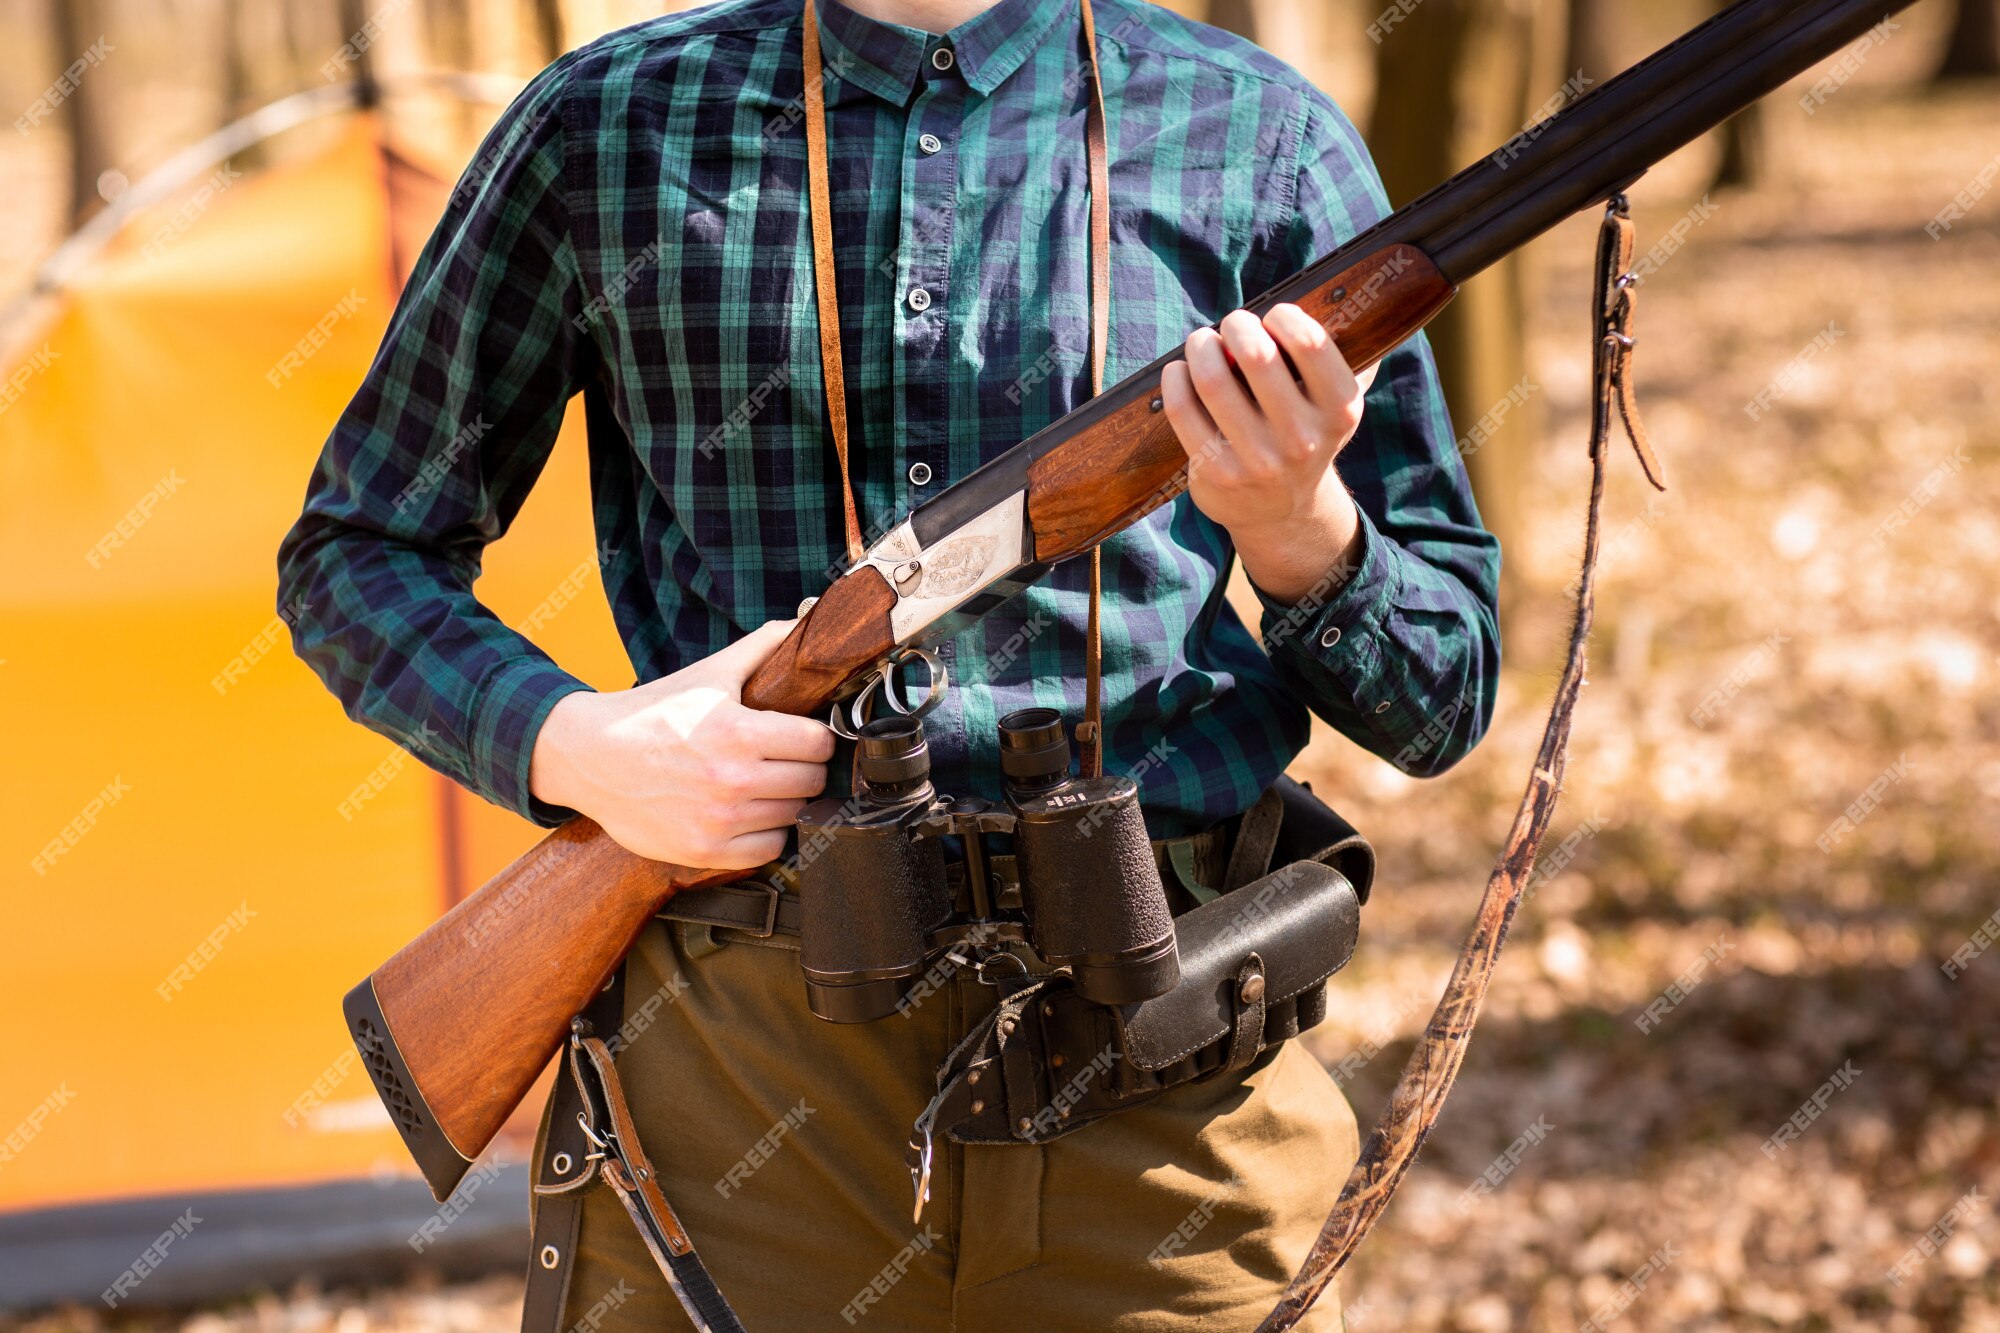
x=455 y=1028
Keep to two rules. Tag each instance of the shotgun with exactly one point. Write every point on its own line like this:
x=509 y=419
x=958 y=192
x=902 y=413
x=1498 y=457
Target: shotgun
x=456 y=1027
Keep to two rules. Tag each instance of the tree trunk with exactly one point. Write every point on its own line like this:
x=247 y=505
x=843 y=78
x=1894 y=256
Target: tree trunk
x=1742 y=161
x=73 y=27
x=1973 y=51
x=448 y=25
x=302 y=29
x=1237 y=16
x=236 y=77
x=548 y=26
x=1455 y=78
x=353 y=18
x=448 y=28
x=1588 y=38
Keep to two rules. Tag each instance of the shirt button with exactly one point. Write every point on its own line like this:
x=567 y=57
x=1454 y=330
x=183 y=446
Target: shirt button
x=920 y=474
x=942 y=58
x=930 y=143
x=1382 y=707
x=1330 y=638
x=920 y=300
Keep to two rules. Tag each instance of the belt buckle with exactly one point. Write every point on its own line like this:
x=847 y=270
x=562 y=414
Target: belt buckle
x=772 y=894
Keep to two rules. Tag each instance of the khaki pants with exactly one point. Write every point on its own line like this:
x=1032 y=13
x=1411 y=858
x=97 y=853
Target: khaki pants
x=779 y=1139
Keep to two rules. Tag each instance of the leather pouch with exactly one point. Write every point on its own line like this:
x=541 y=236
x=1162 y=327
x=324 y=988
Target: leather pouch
x=1254 y=965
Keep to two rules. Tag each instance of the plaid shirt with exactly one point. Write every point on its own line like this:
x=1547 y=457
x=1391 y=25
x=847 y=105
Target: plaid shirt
x=635 y=229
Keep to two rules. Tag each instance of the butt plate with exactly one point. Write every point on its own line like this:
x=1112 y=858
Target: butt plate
x=442 y=1164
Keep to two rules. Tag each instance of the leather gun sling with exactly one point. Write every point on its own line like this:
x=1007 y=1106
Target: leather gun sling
x=1419 y=1096
x=819 y=189
x=590 y=1137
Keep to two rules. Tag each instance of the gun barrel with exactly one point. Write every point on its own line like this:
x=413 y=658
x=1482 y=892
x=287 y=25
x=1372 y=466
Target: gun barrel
x=1608 y=137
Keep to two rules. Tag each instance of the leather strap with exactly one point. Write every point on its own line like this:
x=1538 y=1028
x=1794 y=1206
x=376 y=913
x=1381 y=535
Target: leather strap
x=632 y=1177
x=1090 y=732
x=1097 y=147
x=563 y=1175
x=1617 y=296
x=1419 y=1096
x=1256 y=839
x=765 y=907
x=754 y=907
x=590 y=1137
x=1246 y=1032
x=820 y=191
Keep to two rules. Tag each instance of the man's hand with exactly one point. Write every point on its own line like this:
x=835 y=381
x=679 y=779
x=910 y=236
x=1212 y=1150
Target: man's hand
x=678 y=769
x=1260 y=462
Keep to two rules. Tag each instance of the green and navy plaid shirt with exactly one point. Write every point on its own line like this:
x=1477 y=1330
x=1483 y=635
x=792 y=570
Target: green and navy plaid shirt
x=635 y=229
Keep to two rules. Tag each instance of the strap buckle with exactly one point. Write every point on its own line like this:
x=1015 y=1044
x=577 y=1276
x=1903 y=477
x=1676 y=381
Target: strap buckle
x=771 y=896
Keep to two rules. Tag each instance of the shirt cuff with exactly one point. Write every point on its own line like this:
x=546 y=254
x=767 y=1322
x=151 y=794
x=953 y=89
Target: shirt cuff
x=512 y=707
x=1344 y=610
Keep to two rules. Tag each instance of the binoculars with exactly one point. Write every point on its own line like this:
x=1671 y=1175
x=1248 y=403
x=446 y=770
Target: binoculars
x=875 y=892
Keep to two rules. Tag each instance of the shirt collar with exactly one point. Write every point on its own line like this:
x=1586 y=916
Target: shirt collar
x=887 y=59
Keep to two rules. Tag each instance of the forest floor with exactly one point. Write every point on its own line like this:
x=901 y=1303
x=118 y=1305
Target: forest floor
x=1694 y=967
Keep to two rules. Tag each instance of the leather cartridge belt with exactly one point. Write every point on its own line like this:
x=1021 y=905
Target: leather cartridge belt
x=766 y=903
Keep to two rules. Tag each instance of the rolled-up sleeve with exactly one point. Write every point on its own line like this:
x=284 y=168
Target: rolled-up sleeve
x=433 y=459
x=1400 y=650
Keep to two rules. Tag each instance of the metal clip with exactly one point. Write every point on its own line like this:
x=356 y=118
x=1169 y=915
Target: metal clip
x=920 y=1150
x=598 y=1143
x=998 y=955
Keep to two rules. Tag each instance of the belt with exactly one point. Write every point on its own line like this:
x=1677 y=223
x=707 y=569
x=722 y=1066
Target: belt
x=766 y=902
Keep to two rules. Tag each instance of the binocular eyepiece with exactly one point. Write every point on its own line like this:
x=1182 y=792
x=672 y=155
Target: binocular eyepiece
x=875 y=894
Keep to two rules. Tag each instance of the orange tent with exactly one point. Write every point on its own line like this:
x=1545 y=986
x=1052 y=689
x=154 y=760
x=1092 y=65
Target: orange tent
x=205 y=853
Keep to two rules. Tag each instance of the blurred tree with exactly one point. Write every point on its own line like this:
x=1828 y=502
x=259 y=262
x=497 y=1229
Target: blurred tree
x=300 y=22
x=1588 y=36
x=552 y=40
x=73 y=27
x=236 y=80
x=353 y=18
x=1237 y=16
x=240 y=61
x=448 y=30
x=1594 y=48
x=448 y=25
x=1973 y=50
x=1742 y=138
x=1742 y=160
x=1455 y=78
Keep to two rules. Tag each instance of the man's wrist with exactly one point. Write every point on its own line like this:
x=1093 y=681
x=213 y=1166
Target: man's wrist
x=551 y=770
x=1291 y=559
